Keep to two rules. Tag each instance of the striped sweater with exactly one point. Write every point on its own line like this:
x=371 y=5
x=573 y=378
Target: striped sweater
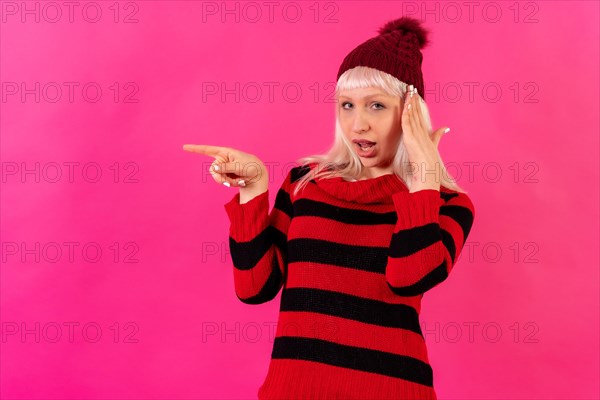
x=354 y=259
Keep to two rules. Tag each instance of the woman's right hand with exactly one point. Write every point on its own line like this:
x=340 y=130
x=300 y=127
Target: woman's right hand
x=233 y=167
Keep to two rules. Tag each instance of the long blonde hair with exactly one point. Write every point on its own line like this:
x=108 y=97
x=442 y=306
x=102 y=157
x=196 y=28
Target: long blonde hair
x=341 y=160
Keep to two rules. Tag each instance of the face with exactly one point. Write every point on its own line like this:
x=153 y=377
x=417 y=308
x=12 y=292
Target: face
x=369 y=114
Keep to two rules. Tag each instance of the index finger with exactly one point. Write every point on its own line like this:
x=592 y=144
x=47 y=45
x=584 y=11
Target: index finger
x=203 y=149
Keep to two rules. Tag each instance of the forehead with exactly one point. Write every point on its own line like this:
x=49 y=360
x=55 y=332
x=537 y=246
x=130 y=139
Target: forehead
x=362 y=93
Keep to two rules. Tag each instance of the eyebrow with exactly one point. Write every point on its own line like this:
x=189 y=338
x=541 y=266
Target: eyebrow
x=366 y=97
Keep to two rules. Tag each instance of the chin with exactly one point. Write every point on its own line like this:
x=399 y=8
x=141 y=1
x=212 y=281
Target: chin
x=369 y=162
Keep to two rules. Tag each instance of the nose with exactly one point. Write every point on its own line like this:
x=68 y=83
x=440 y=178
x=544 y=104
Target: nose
x=360 y=123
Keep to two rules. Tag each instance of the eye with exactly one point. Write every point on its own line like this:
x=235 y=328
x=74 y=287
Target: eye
x=379 y=105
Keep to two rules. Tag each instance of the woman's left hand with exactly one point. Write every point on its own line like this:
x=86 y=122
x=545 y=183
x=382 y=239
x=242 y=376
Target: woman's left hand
x=421 y=145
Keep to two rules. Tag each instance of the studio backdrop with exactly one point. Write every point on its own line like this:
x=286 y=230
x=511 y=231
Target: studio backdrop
x=116 y=277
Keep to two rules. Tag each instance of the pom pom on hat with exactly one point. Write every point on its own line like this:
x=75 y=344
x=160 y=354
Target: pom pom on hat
x=405 y=25
x=396 y=50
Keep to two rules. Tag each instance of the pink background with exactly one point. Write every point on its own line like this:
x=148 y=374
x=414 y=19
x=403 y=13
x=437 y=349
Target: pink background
x=170 y=324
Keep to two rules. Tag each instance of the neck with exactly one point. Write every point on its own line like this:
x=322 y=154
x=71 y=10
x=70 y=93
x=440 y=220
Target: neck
x=374 y=172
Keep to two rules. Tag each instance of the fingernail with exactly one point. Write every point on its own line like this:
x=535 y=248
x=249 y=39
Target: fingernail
x=241 y=183
x=216 y=167
x=416 y=91
x=227 y=184
x=408 y=108
x=411 y=87
x=446 y=130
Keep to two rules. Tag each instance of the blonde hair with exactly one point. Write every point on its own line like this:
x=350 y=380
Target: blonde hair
x=341 y=160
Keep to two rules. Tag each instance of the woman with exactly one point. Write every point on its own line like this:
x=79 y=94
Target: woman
x=356 y=236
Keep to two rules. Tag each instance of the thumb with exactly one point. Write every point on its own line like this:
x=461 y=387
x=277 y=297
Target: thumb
x=437 y=135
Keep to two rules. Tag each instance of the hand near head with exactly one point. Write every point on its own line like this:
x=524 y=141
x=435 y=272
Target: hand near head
x=233 y=167
x=421 y=145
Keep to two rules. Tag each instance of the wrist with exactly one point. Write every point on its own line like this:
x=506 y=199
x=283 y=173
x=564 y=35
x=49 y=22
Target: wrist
x=250 y=192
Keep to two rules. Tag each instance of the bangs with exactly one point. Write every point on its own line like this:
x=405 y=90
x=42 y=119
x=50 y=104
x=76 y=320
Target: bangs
x=364 y=77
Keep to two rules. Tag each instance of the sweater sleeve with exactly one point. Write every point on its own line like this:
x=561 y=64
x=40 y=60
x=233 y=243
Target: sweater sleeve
x=428 y=237
x=258 y=244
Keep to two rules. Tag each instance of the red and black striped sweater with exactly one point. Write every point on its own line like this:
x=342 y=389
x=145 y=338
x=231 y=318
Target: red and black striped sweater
x=354 y=259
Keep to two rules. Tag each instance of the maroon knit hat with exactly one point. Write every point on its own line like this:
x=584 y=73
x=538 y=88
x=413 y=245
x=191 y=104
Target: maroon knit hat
x=396 y=50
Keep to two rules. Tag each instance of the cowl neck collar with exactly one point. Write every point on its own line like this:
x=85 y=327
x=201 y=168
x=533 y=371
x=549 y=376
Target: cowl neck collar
x=365 y=191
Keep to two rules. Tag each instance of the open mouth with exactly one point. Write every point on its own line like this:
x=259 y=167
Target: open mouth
x=366 y=146
x=365 y=149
